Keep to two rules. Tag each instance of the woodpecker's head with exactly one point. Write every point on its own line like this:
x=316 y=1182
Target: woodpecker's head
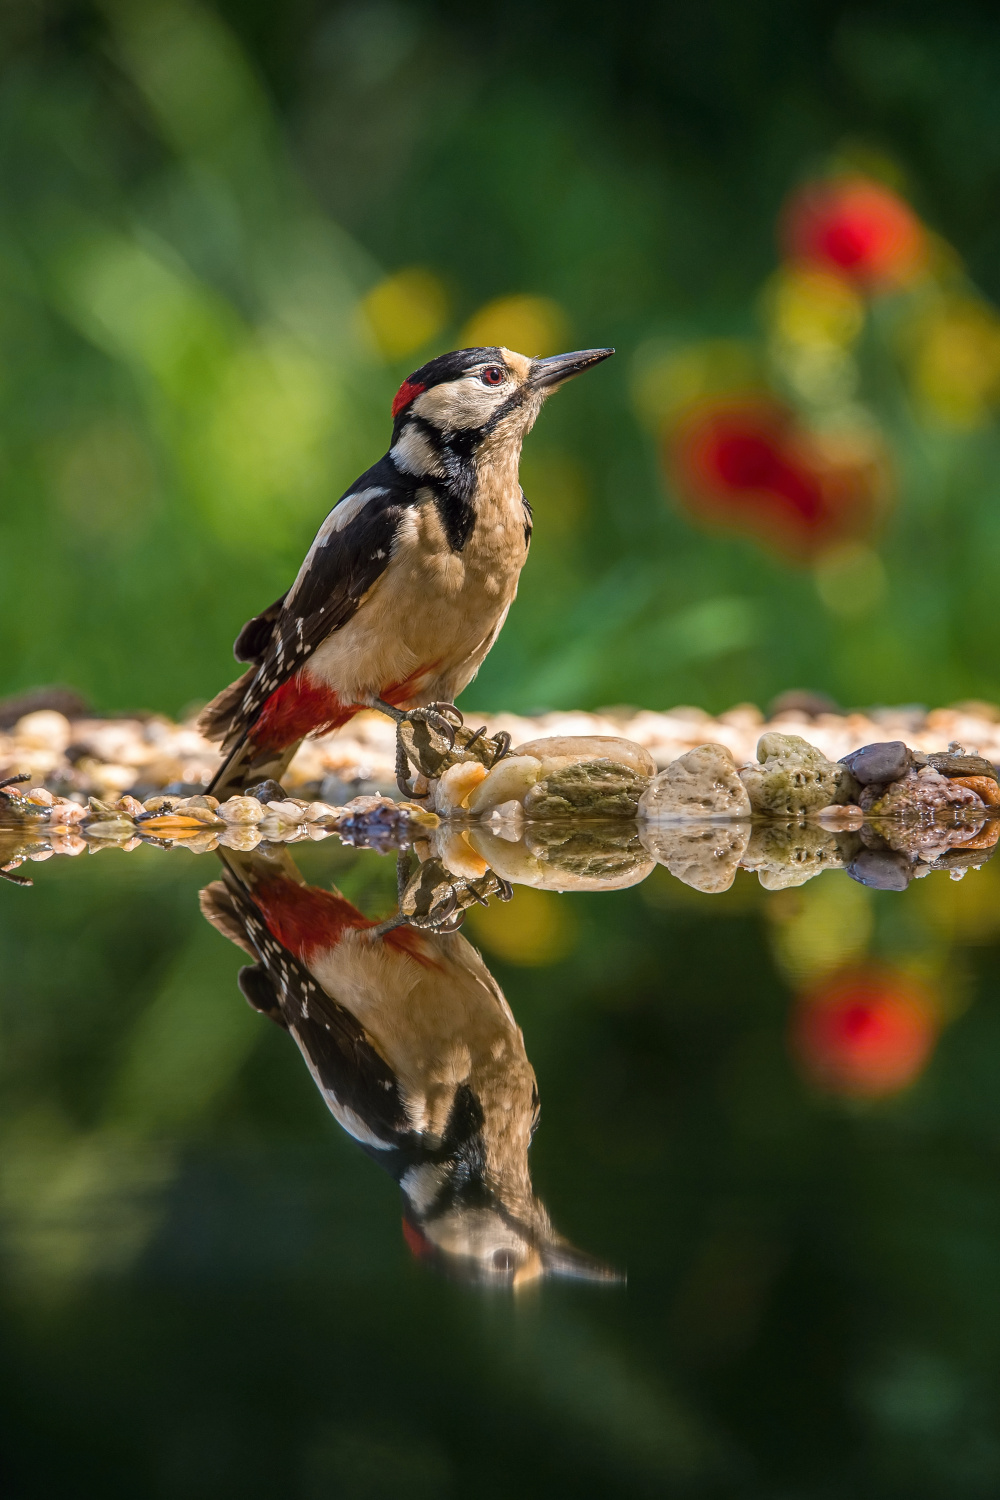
x=470 y=1234
x=474 y=399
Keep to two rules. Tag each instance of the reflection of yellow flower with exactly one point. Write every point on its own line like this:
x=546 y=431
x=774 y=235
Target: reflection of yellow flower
x=531 y=325
x=814 y=308
x=956 y=362
x=537 y=927
x=405 y=311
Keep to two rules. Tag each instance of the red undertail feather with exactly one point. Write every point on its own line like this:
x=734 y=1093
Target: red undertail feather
x=305 y=920
x=297 y=708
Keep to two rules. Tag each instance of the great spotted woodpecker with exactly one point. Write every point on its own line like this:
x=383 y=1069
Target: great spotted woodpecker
x=417 y=1055
x=410 y=577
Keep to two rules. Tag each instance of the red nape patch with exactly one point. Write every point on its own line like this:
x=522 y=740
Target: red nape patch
x=418 y=1244
x=407 y=392
x=297 y=708
x=304 y=919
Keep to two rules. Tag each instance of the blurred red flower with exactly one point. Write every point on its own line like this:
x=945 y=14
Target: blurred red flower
x=865 y=1032
x=857 y=227
x=746 y=462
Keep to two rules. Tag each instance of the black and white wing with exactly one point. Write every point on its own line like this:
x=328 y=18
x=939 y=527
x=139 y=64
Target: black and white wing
x=350 y=552
x=357 y=1083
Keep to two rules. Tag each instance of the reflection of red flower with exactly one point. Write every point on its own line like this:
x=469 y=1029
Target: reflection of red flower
x=856 y=227
x=866 y=1033
x=746 y=463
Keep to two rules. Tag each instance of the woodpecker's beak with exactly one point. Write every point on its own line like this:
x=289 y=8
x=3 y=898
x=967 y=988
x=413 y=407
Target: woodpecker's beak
x=547 y=373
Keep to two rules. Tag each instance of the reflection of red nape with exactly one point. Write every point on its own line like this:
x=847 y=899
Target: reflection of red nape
x=407 y=392
x=418 y=1244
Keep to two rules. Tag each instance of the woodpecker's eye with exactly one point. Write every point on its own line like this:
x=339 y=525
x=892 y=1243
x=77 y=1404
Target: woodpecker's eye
x=492 y=375
x=504 y=1260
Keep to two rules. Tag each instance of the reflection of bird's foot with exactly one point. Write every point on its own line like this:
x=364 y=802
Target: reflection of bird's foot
x=430 y=739
x=435 y=900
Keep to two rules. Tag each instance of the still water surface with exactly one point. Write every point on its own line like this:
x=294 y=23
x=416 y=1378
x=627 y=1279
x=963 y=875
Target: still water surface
x=774 y=1115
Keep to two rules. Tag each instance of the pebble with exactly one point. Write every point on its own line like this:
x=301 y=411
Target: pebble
x=704 y=856
x=786 y=855
x=238 y=810
x=454 y=789
x=581 y=747
x=879 y=762
x=589 y=788
x=881 y=870
x=793 y=777
x=918 y=795
x=508 y=781
x=704 y=783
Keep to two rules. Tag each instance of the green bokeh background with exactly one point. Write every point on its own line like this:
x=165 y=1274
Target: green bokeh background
x=194 y=200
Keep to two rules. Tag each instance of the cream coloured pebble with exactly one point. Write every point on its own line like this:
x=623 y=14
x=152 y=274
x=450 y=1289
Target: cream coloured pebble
x=452 y=847
x=246 y=810
x=245 y=836
x=455 y=787
x=576 y=747
x=507 y=782
x=704 y=856
x=704 y=783
x=287 y=810
x=40 y=796
x=44 y=730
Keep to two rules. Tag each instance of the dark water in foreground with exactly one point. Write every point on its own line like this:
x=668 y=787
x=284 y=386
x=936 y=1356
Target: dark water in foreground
x=778 y=1112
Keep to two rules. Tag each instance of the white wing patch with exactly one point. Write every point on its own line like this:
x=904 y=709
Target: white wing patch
x=342 y=515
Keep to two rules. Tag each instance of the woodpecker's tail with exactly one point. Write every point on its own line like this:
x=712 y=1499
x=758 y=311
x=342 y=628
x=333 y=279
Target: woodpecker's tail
x=216 y=720
x=247 y=763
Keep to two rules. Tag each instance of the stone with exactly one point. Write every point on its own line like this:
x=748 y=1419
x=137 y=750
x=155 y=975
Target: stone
x=566 y=857
x=581 y=747
x=588 y=788
x=508 y=781
x=44 y=730
x=237 y=810
x=794 y=777
x=880 y=762
x=456 y=786
x=881 y=869
x=704 y=856
x=956 y=762
x=704 y=783
x=984 y=787
x=786 y=855
x=920 y=795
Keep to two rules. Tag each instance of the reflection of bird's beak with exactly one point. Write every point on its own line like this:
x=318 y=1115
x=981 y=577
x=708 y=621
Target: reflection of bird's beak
x=546 y=373
x=563 y=1259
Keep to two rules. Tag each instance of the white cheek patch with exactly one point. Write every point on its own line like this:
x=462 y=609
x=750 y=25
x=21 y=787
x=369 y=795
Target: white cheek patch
x=342 y=515
x=458 y=404
x=414 y=453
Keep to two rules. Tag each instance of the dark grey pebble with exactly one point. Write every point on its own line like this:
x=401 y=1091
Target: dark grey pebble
x=882 y=870
x=888 y=761
x=266 y=791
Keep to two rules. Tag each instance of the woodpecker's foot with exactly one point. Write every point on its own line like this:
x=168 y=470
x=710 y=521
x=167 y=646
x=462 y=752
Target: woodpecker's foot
x=430 y=739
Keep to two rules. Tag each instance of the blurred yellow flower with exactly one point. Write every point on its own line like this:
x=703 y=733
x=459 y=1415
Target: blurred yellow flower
x=956 y=362
x=820 y=926
x=531 y=325
x=667 y=377
x=405 y=311
x=536 y=928
x=812 y=307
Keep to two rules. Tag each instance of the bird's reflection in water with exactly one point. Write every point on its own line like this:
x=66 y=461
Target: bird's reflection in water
x=414 y=1048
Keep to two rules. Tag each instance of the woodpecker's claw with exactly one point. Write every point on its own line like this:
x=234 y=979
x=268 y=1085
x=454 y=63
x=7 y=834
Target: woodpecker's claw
x=503 y=747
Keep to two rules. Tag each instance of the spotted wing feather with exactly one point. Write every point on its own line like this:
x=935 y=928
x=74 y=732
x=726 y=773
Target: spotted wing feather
x=339 y=1051
x=345 y=561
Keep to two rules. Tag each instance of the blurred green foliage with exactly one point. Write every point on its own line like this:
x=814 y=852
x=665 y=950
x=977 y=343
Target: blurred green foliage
x=200 y=208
